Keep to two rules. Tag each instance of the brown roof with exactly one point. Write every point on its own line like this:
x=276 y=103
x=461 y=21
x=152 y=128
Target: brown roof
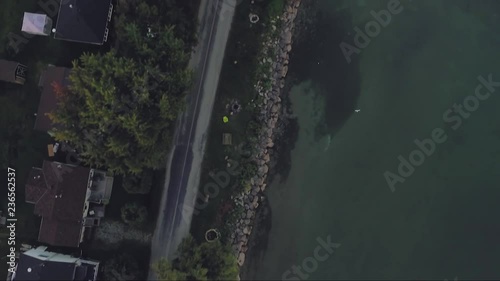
x=8 y=71
x=60 y=233
x=48 y=100
x=59 y=193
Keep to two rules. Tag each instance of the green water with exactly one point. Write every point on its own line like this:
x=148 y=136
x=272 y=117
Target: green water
x=443 y=221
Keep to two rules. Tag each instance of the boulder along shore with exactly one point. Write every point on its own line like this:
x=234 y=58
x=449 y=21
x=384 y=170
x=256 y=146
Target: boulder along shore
x=270 y=87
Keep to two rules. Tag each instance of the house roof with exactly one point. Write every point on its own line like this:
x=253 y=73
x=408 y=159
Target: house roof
x=53 y=266
x=31 y=268
x=48 y=99
x=83 y=21
x=11 y=71
x=60 y=232
x=59 y=193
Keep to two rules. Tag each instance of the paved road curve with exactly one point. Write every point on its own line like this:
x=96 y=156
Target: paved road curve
x=183 y=167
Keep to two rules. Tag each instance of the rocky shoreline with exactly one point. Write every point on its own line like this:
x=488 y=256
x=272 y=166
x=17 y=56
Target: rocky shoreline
x=275 y=56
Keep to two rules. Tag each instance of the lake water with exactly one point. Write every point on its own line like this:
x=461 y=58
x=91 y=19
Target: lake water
x=442 y=222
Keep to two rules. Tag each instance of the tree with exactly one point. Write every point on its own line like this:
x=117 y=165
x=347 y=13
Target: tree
x=133 y=214
x=120 y=113
x=206 y=261
x=164 y=271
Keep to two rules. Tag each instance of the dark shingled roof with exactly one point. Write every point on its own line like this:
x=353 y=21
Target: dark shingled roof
x=83 y=21
x=30 y=268
x=48 y=99
x=58 y=192
x=33 y=268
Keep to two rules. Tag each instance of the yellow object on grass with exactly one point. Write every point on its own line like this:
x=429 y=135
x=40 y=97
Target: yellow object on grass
x=225 y=119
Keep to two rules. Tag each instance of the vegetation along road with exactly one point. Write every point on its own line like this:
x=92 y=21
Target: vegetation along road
x=183 y=167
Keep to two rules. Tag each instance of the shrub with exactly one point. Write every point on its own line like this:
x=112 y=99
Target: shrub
x=133 y=214
x=138 y=184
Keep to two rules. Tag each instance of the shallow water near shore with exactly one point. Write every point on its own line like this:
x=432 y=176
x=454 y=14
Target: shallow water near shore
x=442 y=221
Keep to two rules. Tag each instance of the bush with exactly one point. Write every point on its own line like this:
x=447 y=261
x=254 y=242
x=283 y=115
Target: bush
x=205 y=261
x=133 y=214
x=138 y=184
x=123 y=267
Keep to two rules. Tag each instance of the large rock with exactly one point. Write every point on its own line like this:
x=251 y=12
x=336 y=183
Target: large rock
x=241 y=259
x=288 y=37
x=263 y=187
x=275 y=108
x=266 y=158
x=270 y=143
x=249 y=214
x=263 y=170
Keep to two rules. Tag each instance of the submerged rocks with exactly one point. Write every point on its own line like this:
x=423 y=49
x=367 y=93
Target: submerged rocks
x=275 y=54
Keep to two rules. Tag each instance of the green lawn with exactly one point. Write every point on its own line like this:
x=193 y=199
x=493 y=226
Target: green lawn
x=236 y=82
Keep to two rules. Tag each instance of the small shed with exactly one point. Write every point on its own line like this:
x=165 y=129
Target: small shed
x=13 y=72
x=227 y=139
x=37 y=24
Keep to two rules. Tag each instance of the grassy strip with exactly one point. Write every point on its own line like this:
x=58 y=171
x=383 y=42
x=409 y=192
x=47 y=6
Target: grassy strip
x=243 y=66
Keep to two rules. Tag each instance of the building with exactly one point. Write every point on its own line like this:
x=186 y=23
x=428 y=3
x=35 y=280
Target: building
x=70 y=199
x=40 y=264
x=37 y=24
x=13 y=72
x=48 y=99
x=84 y=21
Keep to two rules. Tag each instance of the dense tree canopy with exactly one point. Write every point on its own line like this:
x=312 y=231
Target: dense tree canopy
x=206 y=261
x=120 y=108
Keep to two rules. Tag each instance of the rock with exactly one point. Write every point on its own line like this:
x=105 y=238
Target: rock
x=266 y=158
x=270 y=143
x=263 y=187
x=244 y=239
x=249 y=214
x=261 y=180
x=288 y=37
x=263 y=170
x=246 y=230
x=255 y=192
x=241 y=259
x=247 y=221
x=275 y=108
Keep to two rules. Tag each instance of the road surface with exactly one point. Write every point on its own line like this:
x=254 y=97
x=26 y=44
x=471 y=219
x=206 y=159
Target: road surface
x=184 y=163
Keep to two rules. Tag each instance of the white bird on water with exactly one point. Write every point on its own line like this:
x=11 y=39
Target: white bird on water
x=357 y=110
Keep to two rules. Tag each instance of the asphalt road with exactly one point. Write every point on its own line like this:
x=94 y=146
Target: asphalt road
x=184 y=163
